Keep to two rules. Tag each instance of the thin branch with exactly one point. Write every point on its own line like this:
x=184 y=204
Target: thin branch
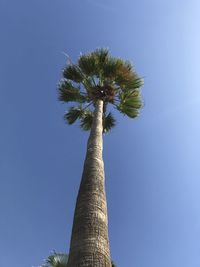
x=94 y=81
x=115 y=105
x=88 y=105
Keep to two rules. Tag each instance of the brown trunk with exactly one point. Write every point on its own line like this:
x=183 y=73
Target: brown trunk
x=89 y=241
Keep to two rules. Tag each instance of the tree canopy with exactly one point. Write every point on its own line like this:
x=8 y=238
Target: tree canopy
x=98 y=75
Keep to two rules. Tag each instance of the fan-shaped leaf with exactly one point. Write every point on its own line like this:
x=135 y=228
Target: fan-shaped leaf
x=133 y=83
x=126 y=78
x=129 y=111
x=72 y=72
x=56 y=260
x=86 y=120
x=101 y=56
x=68 y=93
x=110 y=68
x=131 y=99
x=87 y=64
x=73 y=114
x=108 y=123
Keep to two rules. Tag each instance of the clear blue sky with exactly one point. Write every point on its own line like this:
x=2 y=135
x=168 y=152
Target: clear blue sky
x=152 y=163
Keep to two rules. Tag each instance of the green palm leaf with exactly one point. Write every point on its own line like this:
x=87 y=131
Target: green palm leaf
x=86 y=120
x=131 y=99
x=127 y=78
x=108 y=122
x=73 y=114
x=73 y=73
x=87 y=64
x=68 y=93
x=110 y=68
x=133 y=83
x=56 y=260
x=101 y=56
x=129 y=111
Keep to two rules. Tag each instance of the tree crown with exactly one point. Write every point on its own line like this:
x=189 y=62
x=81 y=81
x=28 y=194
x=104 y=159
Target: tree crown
x=95 y=76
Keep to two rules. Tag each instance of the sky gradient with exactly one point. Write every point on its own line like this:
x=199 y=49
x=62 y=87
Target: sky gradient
x=151 y=163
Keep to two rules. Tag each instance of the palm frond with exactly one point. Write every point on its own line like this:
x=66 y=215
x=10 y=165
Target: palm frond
x=130 y=103
x=92 y=64
x=73 y=114
x=73 y=73
x=110 y=68
x=101 y=56
x=131 y=99
x=133 y=83
x=87 y=64
x=56 y=260
x=129 y=111
x=108 y=122
x=89 y=84
x=68 y=93
x=86 y=120
x=127 y=78
x=128 y=65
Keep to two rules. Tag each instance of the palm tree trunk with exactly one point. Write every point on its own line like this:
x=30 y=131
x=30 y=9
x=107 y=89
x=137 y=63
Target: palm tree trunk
x=89 y=241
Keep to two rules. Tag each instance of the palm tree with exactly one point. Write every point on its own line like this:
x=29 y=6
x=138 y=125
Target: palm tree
x=96 y=82
x=58 y=260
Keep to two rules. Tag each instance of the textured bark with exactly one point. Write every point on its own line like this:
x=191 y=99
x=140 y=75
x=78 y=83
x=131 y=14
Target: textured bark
x=89 y=241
